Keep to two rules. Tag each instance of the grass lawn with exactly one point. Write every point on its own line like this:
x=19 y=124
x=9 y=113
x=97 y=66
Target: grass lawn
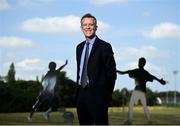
x=159 y=115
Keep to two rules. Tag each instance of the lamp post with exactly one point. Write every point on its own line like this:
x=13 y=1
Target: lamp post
x=167 y=101
x=175 y=72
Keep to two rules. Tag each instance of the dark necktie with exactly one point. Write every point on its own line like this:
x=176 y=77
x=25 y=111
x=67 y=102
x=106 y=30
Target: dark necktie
x=84 y=76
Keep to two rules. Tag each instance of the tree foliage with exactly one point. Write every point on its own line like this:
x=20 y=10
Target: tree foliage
x=21 y=95
x=11 y=74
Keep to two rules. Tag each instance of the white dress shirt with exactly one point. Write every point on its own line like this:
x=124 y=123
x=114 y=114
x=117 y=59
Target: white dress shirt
x=91 y=42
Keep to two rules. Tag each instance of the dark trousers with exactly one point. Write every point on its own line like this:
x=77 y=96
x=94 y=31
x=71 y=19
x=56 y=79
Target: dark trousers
x=91 y=108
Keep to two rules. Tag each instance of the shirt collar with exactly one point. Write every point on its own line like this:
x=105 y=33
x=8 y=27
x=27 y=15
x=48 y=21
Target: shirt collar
x=91 y=42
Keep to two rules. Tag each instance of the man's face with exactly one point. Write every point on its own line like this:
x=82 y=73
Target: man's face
x=88 y=27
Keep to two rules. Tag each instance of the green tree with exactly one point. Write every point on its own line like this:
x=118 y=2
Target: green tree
x=1 y=78
x=11 y=74
x=125 y=96
x=151 y=97
x=66 y=90
x=117 y=98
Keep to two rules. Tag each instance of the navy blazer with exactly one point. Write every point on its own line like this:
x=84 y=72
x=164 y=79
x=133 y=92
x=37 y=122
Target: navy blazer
x=101 y=66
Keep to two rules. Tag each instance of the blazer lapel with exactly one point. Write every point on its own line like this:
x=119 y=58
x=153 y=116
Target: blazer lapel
x=80 y=52
x=95 y=45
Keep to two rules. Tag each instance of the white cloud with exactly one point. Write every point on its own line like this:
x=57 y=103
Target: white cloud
x=132 y=53
x=30 y=68
x=164 y=31
x=102 y=25
x=52 y=24
x=68 y=24
x=127 y=59
x=14 y=42
x=105 y=2
x=30 y=65
x=33 y=2
x=4 y=5
x=150 y=67
x=155 y=69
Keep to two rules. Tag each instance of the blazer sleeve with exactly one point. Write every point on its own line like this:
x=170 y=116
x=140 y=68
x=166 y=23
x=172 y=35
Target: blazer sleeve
x=110 y=66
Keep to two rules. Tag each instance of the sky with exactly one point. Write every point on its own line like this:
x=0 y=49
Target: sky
x=35 y=32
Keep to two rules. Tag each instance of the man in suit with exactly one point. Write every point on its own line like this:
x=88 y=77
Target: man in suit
x=96 y=75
